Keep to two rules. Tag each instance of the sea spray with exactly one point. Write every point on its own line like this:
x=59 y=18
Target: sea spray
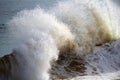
x=34 y=57
x=26 y=21
x=109 y=13
x=89 y=21
x=103 y=64
x=74 y=26
x=38 y=36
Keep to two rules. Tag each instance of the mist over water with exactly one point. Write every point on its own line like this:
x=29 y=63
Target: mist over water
x=72 y=40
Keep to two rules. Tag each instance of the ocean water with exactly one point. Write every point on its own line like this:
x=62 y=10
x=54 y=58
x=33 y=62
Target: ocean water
x=9 y=8
x=59 y=40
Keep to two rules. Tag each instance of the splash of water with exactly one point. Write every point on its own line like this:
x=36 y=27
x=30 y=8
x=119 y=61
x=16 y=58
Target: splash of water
x=73 y=26
x=91 y=22
x=38 y=36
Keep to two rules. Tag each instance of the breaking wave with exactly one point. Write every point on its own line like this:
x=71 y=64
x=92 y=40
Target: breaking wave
x=64 y=42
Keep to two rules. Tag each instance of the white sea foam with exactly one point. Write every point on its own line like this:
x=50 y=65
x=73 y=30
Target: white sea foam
x=91 y=22
x=39 y=35
x=103 y=64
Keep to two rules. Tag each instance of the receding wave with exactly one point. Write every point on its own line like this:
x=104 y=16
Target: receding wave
x=74 y=40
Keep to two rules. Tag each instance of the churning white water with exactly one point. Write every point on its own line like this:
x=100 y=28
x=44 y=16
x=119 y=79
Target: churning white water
x=75 y=30
x=39 y=36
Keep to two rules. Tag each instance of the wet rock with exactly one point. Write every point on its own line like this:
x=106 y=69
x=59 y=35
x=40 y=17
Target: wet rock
x=77 y=66
x=6 y=65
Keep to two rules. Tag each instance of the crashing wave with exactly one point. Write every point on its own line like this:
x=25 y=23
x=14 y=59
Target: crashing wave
x=66 y=32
